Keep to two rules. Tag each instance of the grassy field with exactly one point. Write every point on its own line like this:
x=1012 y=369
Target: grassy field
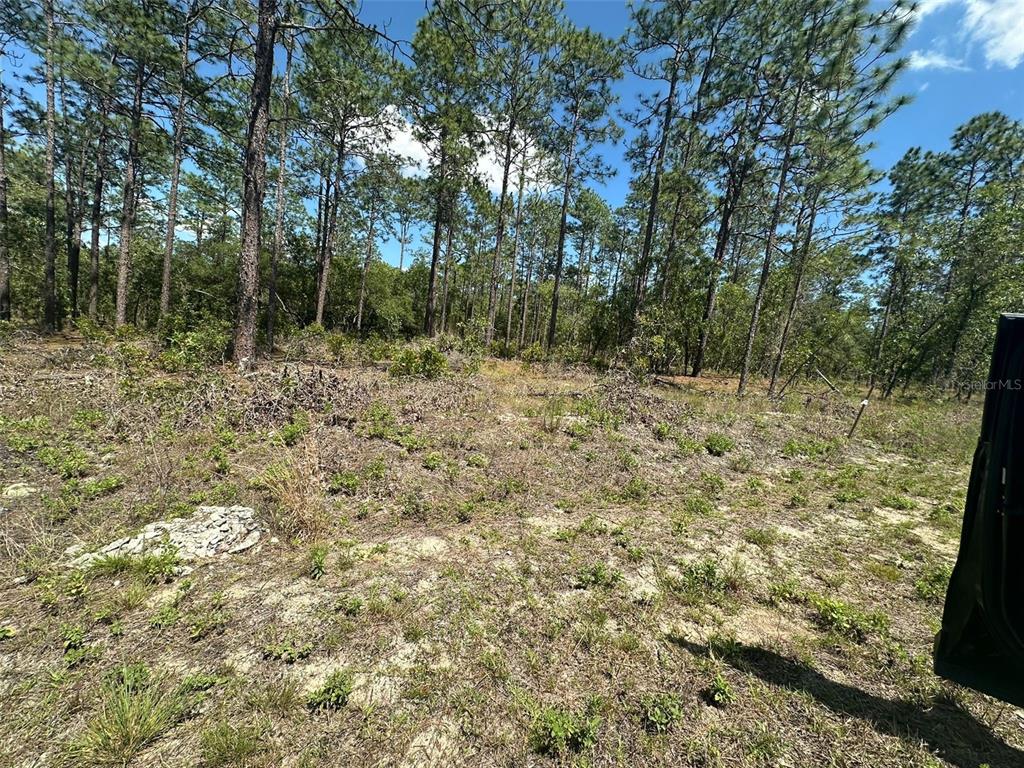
x=502 y=565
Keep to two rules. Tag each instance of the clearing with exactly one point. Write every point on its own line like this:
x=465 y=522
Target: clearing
x=506 y=564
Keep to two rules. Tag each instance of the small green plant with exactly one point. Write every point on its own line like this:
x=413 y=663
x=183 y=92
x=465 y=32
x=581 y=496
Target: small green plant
x=478 y=460
x=719 y=693
x=345 y=483
x=293 y=431
x=599 y=574
x=718 y=444
x=933 y=582
x=556 y=731
x=433 y=460
x=317 y=561
x=287 y=651
x=166 y=616
x=551 y=414
x=836 y=616
x=6 y=632
x=662 y=431
x=764 y=537
x=898 y=502
x=660 y=711
x=334 y=692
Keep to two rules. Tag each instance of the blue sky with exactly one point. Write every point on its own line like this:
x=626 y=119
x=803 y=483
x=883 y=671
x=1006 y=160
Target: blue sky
x=965 y=57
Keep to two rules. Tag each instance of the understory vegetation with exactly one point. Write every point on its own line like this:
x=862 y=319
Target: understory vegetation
x=473 y=561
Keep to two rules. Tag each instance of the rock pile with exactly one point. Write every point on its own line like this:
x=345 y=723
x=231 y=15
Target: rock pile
x=211 y=531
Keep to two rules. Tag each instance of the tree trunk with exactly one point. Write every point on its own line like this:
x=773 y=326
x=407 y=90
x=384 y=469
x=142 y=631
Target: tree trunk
x=366 y=268
x=652 y=209
x=96 y=218
x=332 y=229
x=447 y=280
x=773 y=225
x=560 y=253
x=499 y=237
x=254 y=186
x=178 y=146
x=794 y=300
x=5 y=254
x=50 y=295
x=129 y=201
x=515 y=253
x=435 y=250
x=282 y=152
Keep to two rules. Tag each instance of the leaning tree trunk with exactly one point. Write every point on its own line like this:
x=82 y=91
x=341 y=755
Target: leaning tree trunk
x=129 y=202
x=773 y=225
x=50 y=295
x=254 y=186
x=794 y=300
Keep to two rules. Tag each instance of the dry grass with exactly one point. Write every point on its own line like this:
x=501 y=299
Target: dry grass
x=528 y=565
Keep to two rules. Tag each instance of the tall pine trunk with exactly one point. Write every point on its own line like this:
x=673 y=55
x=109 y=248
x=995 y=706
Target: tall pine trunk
x=282 y=152
x=515 y=252
x=794 y=299
x=499 y=237
x=129 y=201
x=5 y=254
x=96 y=217
x=773 y=225
x=562 y=225
x=50 y=290
x=178 y=151
x=366 y=267
x=254 y=186
x=640 y=289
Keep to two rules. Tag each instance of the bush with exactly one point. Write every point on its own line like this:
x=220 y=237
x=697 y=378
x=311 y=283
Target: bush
x=428 y=363
x=717 y=444
x=195 y=350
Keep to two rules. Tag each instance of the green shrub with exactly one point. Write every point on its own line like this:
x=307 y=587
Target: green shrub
x=334 y=692
x=428 y=363
x=719 y=693
x=556 y=731
x=198 y=349
x=717 y=444
x=345 y=483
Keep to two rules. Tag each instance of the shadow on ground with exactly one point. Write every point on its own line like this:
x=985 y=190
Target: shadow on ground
x=951 y=732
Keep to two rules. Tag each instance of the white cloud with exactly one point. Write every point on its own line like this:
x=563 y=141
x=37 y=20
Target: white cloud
x=488 y=168
x=934 y=60
x=996 y=26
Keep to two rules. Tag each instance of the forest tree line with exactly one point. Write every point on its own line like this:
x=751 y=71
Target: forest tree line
x=187 y=164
